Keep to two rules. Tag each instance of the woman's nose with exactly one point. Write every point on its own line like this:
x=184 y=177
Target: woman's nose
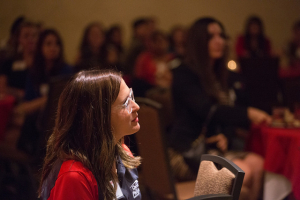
x=135 y=106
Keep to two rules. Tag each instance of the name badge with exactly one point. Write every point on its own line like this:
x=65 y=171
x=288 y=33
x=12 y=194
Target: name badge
x=119 y=193
x=18 y=66
x=135 y=189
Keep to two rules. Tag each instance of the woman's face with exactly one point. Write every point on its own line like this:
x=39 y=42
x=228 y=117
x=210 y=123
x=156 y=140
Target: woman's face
x=254 y=29
x=51 y=49
x=28 y=38
x=160 y=45
x=117 y=37
x=216 y=43
x=96 y=37
x=179 y=36
x=122 y=122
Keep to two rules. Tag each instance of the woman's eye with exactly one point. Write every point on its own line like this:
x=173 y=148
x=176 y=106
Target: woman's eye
x=126 y=102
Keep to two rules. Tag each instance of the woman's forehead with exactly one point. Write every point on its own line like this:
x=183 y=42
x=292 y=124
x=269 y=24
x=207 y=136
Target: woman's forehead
x=124 y=90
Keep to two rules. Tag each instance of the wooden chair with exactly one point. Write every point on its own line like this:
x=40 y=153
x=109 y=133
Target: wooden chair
x=164 y=97
x=155 y=169
x=56 y=86
x=217 y=175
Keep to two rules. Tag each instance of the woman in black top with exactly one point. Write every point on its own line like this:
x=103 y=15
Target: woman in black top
x=200 y=83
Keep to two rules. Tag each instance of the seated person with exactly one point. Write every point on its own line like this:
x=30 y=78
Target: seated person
x=16 y=69
x=253 y=43
x=152 y=65
x=200 y=96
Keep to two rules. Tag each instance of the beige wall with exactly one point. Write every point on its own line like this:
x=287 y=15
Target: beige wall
x=69 y=17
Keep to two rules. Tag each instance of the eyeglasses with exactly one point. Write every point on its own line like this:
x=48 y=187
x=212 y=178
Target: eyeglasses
x=128 y=105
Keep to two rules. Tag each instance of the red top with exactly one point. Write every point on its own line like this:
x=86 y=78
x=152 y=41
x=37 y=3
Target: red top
x=6 y=107
x=75 y=181
x=145 y=67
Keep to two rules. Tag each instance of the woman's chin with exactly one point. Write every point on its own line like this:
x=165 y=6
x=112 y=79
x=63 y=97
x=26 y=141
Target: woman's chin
x=136 y=128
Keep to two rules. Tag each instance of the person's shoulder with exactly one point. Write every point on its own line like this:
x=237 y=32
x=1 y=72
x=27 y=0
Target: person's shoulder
x=241 y=37
x=73 y=168
x=182 y=69
x=6 y=66
x=74 y=181
x=125 y=147
x=145 y=55
x=66 y=69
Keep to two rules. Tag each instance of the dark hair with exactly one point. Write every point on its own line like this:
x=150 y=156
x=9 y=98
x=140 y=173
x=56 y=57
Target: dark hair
x=139 y=22
x=296 y=25
x=260 y=37
x=197 y=56
x=293 y=46
x=111 y=31
x=38 y=70
x=23 y=23
x=15 y=26
x=156 y=34
x=83 y=129
x=109 y=35
x=85 y=50
x=172 y=34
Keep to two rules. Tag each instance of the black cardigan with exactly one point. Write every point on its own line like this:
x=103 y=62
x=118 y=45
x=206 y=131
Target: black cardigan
x=192 y=105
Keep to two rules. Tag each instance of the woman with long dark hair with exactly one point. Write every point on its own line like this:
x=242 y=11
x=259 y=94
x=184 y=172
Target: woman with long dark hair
x=253 y=43
x=177 y=39
x=113 y=49
x=86 y=157
x=293 y=48
x=200 y=89
x=91 y=48
x=48 y=63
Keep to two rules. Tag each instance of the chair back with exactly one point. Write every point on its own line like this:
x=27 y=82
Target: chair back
x=155 y=169
x=217 y=175
x=291 y=94
x=164 y=97
x=47 y=119
x=262 y=82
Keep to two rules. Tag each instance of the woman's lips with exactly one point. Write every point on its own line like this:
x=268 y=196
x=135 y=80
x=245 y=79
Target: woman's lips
x=135 y=119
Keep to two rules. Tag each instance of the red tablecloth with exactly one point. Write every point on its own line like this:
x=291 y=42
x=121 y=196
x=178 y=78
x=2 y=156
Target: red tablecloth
x=290 y=72
x=6 y=106
x=281 y=150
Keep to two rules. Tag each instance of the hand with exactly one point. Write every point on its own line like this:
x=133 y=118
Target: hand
x=257 y=116
x=220 y=139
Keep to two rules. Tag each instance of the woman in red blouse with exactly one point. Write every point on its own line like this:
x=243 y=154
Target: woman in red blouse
x=152 y=65
x=253 y=43
x=86 y=158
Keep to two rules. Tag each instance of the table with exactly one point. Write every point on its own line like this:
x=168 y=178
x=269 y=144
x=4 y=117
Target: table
x=6 y=106
x=289 y=72
x=281 y=149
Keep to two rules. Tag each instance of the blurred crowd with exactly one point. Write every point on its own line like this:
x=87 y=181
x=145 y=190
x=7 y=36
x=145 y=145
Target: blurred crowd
x=33 y=56
x=33 y=50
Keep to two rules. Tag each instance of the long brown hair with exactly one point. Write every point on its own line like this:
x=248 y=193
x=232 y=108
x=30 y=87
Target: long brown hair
x=83 y=130
x=38 y=70
x=85 y=48
x=197 y=57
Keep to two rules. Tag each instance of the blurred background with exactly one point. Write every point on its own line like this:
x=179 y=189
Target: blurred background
x=43 y=43
x=70 y=17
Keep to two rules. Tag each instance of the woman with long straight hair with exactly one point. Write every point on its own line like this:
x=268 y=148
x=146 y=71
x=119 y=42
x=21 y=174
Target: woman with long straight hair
x=48 y=63
x=200 y=90
x=86 y=157
x=254 y=42
x=91 y=51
